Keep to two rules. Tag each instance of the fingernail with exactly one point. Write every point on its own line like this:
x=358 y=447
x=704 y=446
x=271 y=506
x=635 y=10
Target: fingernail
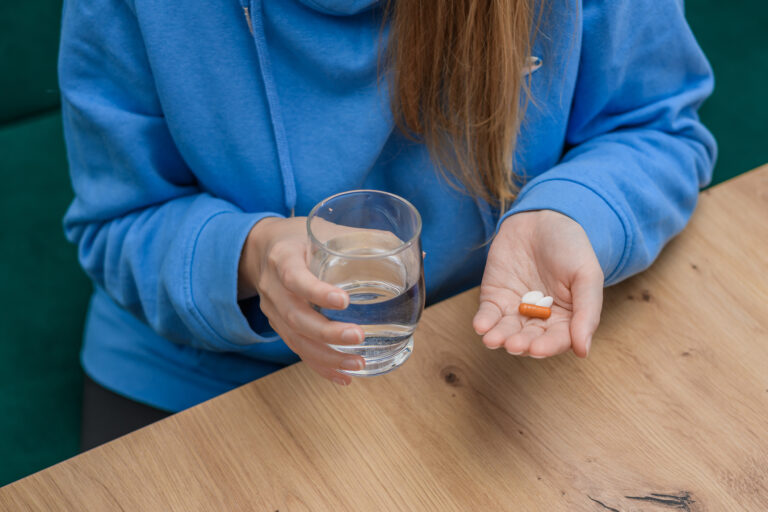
x=589 y=344
x=514 y=353
x=536 y=357
x=351 y=336
x=339 y=381
x=493 y=348
x=352 y=364
x=337 y=299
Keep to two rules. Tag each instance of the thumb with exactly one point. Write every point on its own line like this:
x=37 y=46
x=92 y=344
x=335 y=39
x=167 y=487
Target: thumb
x=587 y=294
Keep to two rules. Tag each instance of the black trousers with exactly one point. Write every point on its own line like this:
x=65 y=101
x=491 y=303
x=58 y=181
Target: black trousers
x=107 y=415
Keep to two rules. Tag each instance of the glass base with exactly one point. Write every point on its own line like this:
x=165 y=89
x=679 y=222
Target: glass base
x=380 y=366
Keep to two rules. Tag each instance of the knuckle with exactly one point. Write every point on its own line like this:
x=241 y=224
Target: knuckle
x=292 y=318
x=273 y=257
x=296 y=280
x=331 y=333
x=290 y=275
x=262 y=284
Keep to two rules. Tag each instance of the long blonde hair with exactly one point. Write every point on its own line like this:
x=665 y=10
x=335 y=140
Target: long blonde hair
x=457 y=85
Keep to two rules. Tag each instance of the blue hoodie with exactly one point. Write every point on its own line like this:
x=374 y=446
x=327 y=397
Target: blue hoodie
x=184 y=128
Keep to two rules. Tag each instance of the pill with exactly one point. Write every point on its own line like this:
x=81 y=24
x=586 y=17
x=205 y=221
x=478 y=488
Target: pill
x=534 y=311
x=532 y=297
x=546 y=302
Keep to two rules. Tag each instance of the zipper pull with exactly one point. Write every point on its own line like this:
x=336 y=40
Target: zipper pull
x=247 y=12
x=248 y=18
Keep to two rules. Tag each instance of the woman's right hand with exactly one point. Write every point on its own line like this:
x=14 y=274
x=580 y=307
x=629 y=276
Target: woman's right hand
x=273 y=265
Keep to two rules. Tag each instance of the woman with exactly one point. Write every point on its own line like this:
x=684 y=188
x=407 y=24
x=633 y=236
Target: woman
x=199 y=136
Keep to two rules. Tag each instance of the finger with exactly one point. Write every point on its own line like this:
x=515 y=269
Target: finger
x=301 y=318
x=506 y=327
x=296 y=277
x=321 y=355
x=587 y=292
x=334 y=376
x=518 y=344
x=317 y=353
x=488 y=315
x=554 y=340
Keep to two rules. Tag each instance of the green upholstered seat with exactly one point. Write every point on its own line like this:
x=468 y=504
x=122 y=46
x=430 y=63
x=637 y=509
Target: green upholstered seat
x=44 y=294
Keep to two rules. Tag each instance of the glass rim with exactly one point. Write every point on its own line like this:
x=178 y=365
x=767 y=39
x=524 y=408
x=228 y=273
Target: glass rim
x=403 y=246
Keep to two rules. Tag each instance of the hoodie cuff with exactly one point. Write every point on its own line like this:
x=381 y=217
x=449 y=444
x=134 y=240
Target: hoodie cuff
x=589 y=208
x=212 y=279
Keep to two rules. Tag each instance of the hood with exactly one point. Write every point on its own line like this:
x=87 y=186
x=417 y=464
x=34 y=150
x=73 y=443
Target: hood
x=340 y=7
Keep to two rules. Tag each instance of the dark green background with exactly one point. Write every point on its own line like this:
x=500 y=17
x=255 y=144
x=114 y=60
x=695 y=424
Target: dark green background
x=44 y=293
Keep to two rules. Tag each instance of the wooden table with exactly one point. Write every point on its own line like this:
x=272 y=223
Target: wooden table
x=670 y=411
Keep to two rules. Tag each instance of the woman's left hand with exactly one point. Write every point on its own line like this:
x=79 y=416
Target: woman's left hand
x=547 y=251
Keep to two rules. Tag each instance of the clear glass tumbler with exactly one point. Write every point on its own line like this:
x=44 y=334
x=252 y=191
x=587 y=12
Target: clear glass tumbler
x=367 y=243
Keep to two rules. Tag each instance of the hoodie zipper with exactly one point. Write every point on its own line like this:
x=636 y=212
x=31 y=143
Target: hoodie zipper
x=247 y=12
x=254 y=19
x=252 y=9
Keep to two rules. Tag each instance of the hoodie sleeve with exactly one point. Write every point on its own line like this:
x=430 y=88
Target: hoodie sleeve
x=637 y=152
x=146 y=233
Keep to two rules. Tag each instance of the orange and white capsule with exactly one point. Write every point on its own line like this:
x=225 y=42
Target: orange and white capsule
x=535 y=305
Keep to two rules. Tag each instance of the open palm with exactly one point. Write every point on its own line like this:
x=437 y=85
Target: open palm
x=547 y=251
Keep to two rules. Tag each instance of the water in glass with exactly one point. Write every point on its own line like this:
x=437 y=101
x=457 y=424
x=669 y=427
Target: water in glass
x=367 y=242
x=381 y=300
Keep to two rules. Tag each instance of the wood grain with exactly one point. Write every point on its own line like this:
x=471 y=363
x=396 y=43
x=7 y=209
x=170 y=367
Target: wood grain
x=670 y=411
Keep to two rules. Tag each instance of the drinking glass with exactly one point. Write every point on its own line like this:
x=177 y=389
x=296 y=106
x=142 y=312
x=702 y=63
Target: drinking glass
x=367 y=243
